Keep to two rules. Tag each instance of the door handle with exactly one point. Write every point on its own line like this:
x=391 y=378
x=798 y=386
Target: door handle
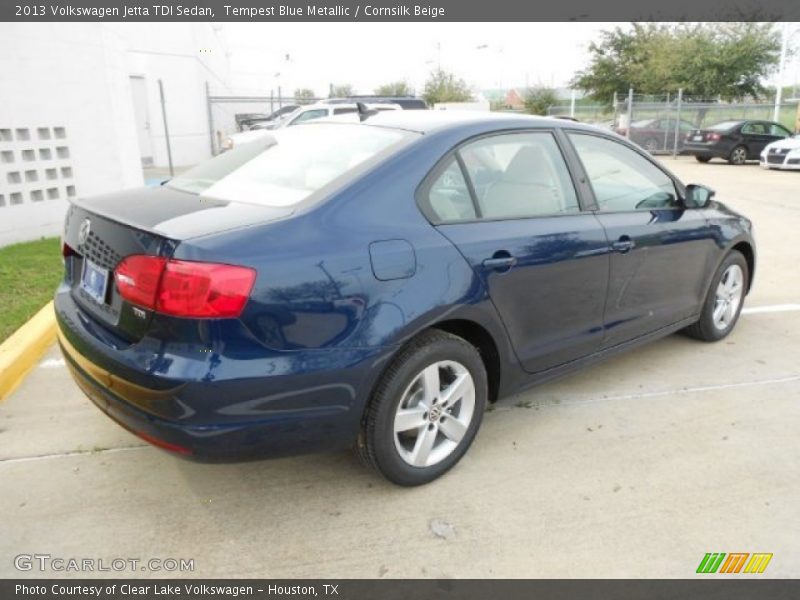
x=500 y=263
x=623 y=245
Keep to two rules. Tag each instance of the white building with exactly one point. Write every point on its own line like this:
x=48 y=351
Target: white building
x=80 y=111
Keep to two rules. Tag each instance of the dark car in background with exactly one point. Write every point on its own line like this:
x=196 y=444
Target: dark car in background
x=376 y=284
x=735 y=141
x=657 y=135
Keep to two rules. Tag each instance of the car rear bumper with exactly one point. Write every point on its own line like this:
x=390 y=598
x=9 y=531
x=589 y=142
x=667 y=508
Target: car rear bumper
x=704 y=151
x=316 y=406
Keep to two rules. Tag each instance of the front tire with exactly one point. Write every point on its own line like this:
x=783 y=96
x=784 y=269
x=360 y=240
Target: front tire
x=724 y=301
x=425 y=410
x=702 y=159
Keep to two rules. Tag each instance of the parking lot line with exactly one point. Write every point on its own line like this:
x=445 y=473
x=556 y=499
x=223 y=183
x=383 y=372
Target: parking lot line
x=752 y=310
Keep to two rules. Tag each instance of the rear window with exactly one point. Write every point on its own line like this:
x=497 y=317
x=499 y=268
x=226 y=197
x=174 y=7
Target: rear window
x=284 y=167
x=724 y=126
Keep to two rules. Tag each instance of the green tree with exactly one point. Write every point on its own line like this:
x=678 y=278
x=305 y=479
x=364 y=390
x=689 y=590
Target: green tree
x=445 y=87
x=395 y=88
x=304 y=96
x=538 y=99
x=341 y=91
x=727 y=60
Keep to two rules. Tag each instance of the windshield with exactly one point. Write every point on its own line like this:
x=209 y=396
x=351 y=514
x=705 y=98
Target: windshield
x=284 y=167
x=724 y=126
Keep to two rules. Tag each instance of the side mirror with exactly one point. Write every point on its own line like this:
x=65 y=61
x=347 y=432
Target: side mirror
x=697 y=196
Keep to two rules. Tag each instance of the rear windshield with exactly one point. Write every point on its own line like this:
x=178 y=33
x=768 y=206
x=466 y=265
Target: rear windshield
x=284 y=167
x=724 y=126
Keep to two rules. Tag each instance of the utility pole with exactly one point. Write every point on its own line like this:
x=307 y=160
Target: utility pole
x=779 y=91
x=630 y=113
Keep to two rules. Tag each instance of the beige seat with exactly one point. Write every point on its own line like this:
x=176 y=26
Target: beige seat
x=529 y=186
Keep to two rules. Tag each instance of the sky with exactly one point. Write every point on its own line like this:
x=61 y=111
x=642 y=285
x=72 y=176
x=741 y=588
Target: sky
x=486 y=55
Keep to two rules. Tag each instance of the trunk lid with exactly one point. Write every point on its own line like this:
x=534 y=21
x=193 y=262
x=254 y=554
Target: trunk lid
x=153 y=221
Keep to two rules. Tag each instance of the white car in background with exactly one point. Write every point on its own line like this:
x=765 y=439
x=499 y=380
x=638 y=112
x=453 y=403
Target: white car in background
x=783 y=154
x=301 y=115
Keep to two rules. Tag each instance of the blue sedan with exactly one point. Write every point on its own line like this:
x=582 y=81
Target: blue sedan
x=378 y=283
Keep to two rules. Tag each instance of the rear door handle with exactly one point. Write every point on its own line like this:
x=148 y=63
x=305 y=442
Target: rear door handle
x=500 y=263
x=623 y=245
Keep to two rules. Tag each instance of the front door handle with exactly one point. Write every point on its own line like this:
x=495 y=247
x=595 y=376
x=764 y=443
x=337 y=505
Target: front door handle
x=623 y=245
x=500 y=263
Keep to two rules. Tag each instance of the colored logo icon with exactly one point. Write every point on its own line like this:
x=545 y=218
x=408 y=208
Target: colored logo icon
x=735 y=562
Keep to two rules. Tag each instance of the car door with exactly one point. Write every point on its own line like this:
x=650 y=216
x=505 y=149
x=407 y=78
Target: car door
x=756 y=136
x=661 y=251
x=777 y=132
x=508 y=203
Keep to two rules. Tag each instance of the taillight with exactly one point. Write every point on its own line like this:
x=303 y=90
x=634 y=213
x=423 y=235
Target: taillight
x=67 y=250
x=185 y=288
x=714 y=137
x=196 y=289
x=138 y=277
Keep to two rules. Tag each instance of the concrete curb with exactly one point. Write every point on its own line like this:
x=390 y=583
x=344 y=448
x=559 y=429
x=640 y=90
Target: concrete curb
x=19 y=353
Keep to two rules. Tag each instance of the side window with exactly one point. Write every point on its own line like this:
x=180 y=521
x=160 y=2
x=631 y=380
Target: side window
x=779 y=131
x=622 y=179
x=344 y=111
x=310 y=114
x=754 y=128
x=519 y=175
x=449 y=197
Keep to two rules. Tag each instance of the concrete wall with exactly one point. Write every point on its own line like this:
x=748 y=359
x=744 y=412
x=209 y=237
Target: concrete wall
x=67 y=82
x=185 y=57
x=67 y=126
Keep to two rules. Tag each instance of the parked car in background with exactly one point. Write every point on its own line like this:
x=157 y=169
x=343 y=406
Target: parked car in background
x=378 y=283
x=303 y=114
x=783 y=154
x=256 y=121
x=657 y=135
x=405 y=102
x=735 y=141
x=608 y=125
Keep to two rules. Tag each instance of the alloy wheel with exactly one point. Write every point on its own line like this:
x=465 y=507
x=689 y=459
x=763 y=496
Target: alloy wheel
x=728 y=297
x=434 y=413
x=739 y=155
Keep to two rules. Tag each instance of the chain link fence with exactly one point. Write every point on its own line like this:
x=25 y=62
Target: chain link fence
x=230 y=114
x=660 y=123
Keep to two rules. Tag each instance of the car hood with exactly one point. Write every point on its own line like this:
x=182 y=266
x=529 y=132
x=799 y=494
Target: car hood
x=788 y=143
x=179 y=215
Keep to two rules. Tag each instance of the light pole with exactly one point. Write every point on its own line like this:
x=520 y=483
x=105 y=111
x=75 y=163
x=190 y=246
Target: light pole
x=782 y=66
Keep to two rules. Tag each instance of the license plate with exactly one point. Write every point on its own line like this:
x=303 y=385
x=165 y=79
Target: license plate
x=698 y=138
x=94 y=281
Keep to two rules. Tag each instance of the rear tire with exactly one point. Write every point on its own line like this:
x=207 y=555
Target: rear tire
x=425 y=410
x=738 y=156
x=702 y=159
x=724 y=300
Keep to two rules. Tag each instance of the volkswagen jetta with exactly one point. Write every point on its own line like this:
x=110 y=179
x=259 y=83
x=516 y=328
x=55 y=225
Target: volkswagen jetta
x=376 y=284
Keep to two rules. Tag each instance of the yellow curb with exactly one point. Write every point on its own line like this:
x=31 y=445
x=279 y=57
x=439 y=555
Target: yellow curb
x=20 y=352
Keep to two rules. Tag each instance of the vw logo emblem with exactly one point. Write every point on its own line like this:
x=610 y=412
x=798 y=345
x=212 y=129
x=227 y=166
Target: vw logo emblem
x=83 y=232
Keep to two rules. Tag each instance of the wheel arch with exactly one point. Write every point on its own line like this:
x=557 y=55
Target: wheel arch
x=484 y=342
x=746 y=249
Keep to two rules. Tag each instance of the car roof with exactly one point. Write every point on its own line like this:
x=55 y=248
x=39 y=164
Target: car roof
x=427 y=121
